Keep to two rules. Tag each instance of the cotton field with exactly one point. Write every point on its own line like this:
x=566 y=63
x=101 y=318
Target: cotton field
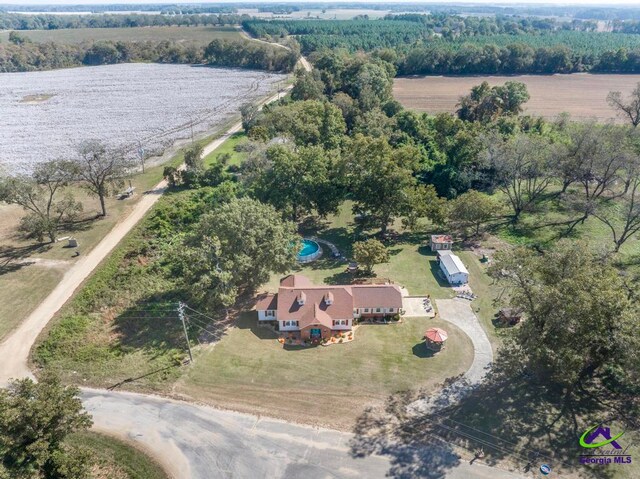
x=44 y=114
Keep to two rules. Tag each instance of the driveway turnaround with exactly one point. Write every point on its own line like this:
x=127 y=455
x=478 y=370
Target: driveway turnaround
x=415 y=307
x=199 y=442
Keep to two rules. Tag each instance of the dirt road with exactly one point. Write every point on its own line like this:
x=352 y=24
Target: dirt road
x=14 y=350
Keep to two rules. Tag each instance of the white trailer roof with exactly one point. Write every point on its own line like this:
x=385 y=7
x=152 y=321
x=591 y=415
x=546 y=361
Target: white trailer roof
x=453 y=264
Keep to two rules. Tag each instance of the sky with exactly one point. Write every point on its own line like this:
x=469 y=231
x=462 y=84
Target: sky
x=503 y=2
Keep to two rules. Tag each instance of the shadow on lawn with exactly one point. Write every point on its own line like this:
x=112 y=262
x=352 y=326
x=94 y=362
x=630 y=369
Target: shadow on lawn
x=437 y=273
x=14 y=258
x=509 y=416
x=422 y=351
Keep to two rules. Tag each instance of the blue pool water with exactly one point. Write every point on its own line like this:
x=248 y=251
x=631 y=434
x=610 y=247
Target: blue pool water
x=308 y=248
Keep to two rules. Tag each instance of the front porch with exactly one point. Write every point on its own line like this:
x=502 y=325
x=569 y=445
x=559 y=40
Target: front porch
x=302 y=338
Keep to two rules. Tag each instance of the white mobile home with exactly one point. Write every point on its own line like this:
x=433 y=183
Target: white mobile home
x=452 y=267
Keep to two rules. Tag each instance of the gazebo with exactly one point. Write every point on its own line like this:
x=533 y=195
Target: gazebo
x=435 y=338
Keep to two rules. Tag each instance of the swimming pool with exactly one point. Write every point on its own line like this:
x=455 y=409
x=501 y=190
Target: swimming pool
x=310 y=251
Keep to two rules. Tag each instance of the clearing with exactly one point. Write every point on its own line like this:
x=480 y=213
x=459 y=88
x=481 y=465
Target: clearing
x=582 y=95
x=197 y=35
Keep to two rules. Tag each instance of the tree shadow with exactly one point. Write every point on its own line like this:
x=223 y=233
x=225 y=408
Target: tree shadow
x=510 y=416
x=414 y=452
x=152 y=324
x=14 y=258
x=422 y=351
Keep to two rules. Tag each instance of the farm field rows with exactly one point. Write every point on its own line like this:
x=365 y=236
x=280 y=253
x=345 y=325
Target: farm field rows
x=582 y=95
x=125 y=105
x=198 y=35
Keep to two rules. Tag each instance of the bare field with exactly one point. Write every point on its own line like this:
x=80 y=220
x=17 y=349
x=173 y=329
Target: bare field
x=199 y=35
x=582 y=95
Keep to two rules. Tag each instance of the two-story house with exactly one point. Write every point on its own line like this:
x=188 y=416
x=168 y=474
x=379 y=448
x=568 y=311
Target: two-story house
x=319 y=312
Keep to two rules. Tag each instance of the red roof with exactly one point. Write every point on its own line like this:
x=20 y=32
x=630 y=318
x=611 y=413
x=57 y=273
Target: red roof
x=267 y=302
x=295 y=281
x=436 y=335
x=315 y=316
x=336 y=302
x=441 y=239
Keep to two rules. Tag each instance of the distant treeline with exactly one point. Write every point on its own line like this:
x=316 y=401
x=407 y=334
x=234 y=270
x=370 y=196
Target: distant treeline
x=446 y=44
x=18 y=21
x=404 y=29
x=559 y=11
x=27 y=56
x=517 y=58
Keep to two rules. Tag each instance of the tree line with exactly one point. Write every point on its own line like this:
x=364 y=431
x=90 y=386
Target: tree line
x=21 y=55
x=448 y=44
x=21 y=21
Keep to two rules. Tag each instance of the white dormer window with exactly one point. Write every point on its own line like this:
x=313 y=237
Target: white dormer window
x=302 y=297
x=328 y=298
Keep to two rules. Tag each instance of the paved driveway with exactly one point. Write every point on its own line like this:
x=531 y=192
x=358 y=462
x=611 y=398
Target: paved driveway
x=458 y=312
x=199 y=442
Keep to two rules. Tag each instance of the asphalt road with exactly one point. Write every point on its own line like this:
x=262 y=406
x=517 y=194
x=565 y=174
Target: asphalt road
x=199 y=442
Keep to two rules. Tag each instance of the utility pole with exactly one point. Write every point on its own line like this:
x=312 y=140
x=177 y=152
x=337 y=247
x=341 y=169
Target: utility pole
x=184 y=326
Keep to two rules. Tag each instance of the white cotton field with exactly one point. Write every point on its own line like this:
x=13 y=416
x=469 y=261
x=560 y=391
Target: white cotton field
x=44 y=114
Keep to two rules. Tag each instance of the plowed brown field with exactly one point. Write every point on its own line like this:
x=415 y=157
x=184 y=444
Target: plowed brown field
x=582 y=95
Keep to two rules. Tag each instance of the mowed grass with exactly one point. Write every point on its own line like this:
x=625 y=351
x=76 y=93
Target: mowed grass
x=582 y=95
x=229 y=147
x=411 y=265
x=250 y=370
x=199 y=35
x=116 y=459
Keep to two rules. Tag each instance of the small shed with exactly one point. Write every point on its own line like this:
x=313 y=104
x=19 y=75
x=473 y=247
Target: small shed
x=453 y=268
x=435 y=338
x=441 y=242
x=509 y=316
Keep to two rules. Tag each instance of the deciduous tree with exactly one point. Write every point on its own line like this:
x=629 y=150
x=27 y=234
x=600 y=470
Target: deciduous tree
x=236 y=248
x=35 y=418
x=102 y=170
x=38 y=194
x=472 y=209
x=369 y=253
x=630 y=109
x=524 y=169
x=581 y=322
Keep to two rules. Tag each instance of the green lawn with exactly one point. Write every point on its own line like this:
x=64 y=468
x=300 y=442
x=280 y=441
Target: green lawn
x=251 y=371
x=199 y=35
x=228 y=147
x=117 y=459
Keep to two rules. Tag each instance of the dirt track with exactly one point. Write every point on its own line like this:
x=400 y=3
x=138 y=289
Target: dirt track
x=14 y=350
x=582 y=95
